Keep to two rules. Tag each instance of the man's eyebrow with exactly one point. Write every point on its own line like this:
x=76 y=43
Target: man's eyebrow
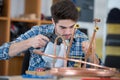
x=62 y=26
x=72 y=25
x=65 y=27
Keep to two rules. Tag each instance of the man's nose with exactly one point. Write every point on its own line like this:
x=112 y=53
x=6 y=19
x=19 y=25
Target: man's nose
x=68 y=31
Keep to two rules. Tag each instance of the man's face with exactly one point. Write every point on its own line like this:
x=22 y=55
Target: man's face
x=65 y=28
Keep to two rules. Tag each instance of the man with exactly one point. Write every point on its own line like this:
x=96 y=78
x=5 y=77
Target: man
x=64 y=17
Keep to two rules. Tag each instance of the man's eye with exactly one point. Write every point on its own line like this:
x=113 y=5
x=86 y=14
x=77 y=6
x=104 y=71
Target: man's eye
x=62 y=27
x=71 y=27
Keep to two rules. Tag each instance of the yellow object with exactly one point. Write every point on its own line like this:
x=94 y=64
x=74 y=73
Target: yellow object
x=77 y=65
x=113 y=28
x=76 y=26
x=113 y=50
x=37 y=72
x=96 y=28
x=99 y=44
x=78 y=57
x=78 y=8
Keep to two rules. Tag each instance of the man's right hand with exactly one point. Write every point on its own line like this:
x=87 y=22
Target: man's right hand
x=38 y=41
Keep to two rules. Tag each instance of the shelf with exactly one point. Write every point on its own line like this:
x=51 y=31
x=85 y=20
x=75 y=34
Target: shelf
x=46 y=22
x=3 y=18
x=29 y=21
x=6 y=66
x=24 y=20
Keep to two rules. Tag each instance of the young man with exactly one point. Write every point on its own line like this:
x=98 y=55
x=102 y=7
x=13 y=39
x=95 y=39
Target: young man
x=64 y=17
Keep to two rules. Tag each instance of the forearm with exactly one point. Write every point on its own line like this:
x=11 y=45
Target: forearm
x=18 y=47
x=35 y=42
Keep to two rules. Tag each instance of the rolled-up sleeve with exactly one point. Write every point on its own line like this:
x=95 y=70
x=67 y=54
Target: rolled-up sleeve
x=4 y=50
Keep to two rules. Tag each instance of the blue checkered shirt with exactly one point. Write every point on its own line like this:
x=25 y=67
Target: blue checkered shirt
x=36 y=60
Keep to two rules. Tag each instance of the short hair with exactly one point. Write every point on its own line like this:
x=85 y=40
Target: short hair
x=64 y=9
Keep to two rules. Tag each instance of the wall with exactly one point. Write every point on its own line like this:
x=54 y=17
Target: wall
x=19 y=10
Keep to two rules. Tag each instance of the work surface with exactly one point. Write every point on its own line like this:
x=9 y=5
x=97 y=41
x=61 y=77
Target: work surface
x=55 y=78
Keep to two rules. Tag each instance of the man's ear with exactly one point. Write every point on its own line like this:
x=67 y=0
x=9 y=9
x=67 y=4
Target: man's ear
x=53 y=22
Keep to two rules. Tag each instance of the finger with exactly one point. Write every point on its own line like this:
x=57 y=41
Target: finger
x=45 y=38
x=41 y=40
x=85 y=46
x=37 y=51
x=39 y=46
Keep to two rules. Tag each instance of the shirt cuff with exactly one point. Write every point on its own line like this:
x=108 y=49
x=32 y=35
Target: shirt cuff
x=4 y=55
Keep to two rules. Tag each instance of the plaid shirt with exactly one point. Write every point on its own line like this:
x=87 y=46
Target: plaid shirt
x=36 y=60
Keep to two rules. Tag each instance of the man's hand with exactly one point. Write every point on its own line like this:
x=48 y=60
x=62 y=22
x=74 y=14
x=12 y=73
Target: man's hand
x=85 y=46
x=90 y=51
x=38 y=41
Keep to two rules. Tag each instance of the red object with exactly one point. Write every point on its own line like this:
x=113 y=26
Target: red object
x=42 y=17
x=100 y=78
x=40 y=69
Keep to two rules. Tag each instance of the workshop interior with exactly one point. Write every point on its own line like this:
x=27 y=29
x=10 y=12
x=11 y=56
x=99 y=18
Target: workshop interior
x=98 y=19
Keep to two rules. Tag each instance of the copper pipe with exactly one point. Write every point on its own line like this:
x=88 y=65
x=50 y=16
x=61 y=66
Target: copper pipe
x=65 y=62
x=79 y=61
x=71 y=39
x=88 y=53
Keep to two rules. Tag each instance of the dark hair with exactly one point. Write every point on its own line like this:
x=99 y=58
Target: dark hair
x=64 y=9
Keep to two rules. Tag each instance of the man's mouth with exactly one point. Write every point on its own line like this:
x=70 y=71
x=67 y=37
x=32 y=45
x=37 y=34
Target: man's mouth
x=66 y=36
